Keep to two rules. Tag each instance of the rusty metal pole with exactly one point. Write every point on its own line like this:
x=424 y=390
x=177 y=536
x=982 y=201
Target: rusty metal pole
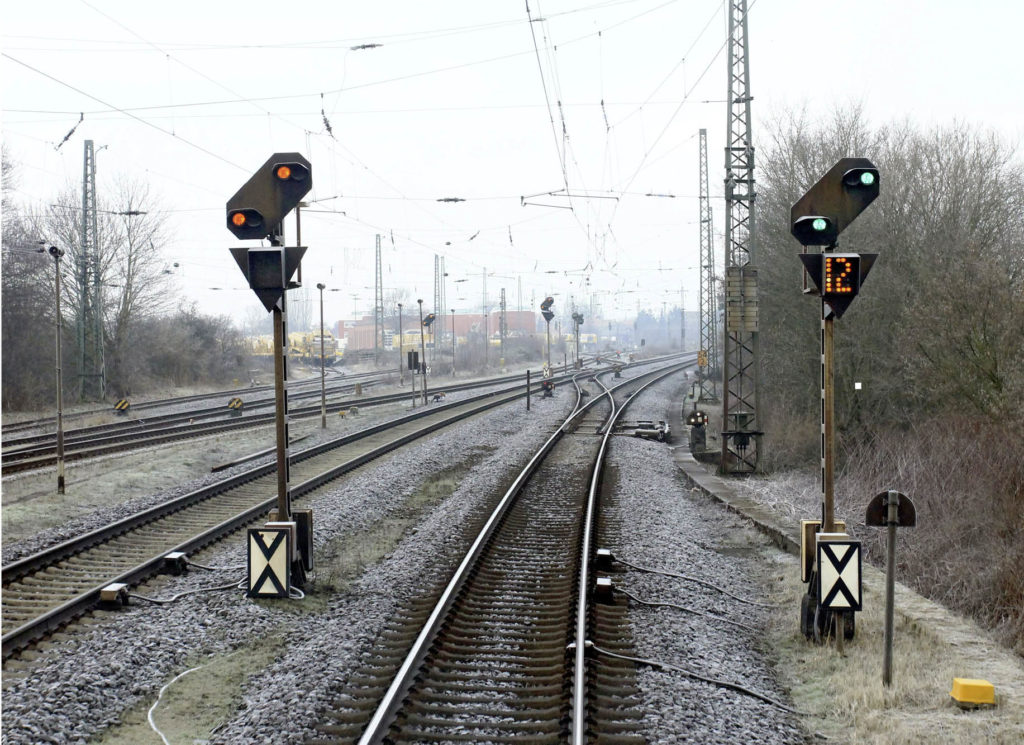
x=892 y=519
x=527 y=390
x=423 y=350
x=401 y=376
x=56 y=253
x=828 y=448
x=281 y=409
x=323 y=385
x=549 y=344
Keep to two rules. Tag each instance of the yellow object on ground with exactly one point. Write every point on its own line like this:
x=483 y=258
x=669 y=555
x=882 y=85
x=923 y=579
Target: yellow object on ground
x=972 y=691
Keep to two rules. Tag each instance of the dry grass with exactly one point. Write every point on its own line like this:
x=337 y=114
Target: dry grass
x=967 y=481
x=844 y=700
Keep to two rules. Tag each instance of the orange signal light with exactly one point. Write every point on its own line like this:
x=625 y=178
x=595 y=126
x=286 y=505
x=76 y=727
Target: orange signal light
x=238 y=219
x=284 y=172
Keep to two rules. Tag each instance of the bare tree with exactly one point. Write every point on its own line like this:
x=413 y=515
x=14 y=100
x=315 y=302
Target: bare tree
x=129 y=264
x=28 y=310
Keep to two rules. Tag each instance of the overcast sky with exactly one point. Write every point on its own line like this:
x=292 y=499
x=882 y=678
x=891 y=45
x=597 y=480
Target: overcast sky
x=461 y=99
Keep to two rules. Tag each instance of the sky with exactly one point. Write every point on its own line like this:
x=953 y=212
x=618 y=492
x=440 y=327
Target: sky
x=564 y=125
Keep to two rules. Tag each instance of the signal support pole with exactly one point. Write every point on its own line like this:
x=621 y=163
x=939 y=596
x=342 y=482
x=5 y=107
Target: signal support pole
x=423 y=352
x=828 y=445
x=323 y=384
x=57 y=253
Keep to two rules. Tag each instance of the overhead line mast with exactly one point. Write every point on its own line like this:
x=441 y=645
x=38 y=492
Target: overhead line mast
x=712 y=366
x=92 y=383
x=741 y=432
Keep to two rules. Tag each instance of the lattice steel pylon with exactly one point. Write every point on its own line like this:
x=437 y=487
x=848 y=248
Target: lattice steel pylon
x=741 y=435
x=92 y=381
x=712 y=369
x=378 y=306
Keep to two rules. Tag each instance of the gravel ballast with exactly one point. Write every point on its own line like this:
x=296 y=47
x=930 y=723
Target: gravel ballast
x=83 y=685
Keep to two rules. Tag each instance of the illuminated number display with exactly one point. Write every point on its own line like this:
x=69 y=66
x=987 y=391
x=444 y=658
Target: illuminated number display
x=840 y=275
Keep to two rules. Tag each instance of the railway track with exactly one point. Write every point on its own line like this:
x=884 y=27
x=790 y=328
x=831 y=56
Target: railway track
x=40 y=451
x=15 y=428
x=45 y=591
x=501 y=654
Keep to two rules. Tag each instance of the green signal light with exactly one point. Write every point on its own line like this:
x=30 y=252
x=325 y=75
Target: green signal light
x=820 y=224
x=867 y=178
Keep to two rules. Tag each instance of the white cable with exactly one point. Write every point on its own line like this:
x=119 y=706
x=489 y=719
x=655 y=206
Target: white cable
x=149 y=715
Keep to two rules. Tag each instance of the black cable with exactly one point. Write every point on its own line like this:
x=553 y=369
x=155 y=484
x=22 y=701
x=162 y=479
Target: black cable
x=164 y=601
x=695 y=676
x=659 y=604
x=215 y=569
x=692 y=579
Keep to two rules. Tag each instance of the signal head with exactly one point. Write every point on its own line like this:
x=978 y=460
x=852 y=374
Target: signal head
x=861 y=178
x=290 y=172
x=815 y=230
x=246 y=223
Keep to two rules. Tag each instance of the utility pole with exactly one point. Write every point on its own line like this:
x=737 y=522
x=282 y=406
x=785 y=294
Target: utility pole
x=708 y=305
x=378 y=307
x=423 y=350
x=487 y=334
x=92 y=383
x=440 y=309
x=741 y=435
x=502 y=323
x=400 y=381
x=57 y=253
x=437 y=303
x=323 y=377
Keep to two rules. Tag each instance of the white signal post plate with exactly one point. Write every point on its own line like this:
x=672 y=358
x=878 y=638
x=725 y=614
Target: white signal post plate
x=270 y=551
x=839 y=567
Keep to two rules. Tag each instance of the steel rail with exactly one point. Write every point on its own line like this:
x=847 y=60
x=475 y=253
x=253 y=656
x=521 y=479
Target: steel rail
x=376 y=729
x=59 y=616
x=403 y=679
x=579 y=702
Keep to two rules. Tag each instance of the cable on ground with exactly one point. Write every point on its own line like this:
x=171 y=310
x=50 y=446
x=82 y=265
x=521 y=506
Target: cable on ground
x=165 y=601
x=149 y=714
x=692 y=579
x=689 y=673
x=215 y=569
x=659 y=604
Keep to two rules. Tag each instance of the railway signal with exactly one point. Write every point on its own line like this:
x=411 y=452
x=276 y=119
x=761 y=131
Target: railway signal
x=256 y=210
x=817 y=219
x=838 y=277
x=828 y=207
